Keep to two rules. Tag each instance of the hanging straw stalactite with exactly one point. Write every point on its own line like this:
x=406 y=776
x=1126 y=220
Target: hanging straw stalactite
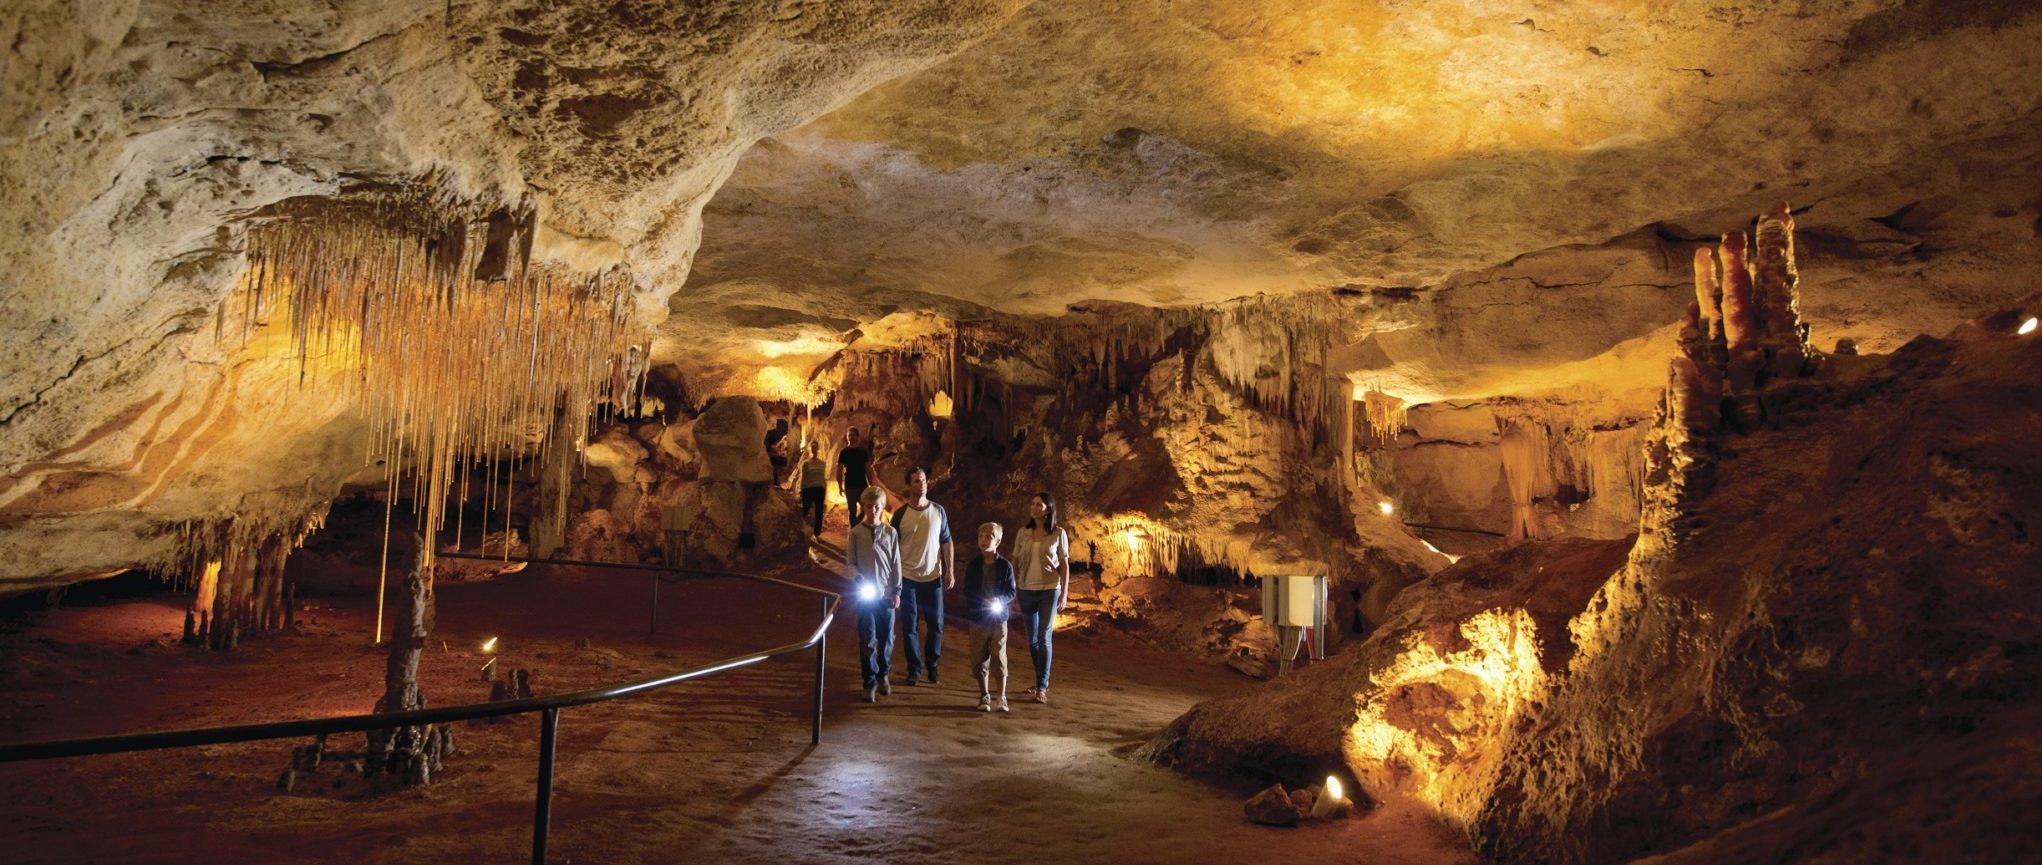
x=451 y=340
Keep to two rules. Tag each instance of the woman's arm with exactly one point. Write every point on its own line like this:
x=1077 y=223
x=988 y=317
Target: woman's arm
x=1063 y=583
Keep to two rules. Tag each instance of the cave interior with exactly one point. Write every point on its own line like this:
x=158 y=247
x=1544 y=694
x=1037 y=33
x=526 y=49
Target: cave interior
x=1651 y=389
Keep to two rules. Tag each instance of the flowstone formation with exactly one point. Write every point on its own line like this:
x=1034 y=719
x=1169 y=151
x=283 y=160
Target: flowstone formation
x=1810 y=653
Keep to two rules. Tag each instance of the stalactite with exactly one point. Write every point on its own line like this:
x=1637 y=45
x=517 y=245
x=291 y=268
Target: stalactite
x=434 y=320
x=235 y=568
x=1527 y=474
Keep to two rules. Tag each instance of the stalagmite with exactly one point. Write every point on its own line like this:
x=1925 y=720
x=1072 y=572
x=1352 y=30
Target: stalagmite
x=1741 y=321
x=408 y=754
x=1784 y=337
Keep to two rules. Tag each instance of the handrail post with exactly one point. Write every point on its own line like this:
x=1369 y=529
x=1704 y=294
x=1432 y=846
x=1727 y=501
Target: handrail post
x=542 y=811
x=654 y=628
x=822 y=640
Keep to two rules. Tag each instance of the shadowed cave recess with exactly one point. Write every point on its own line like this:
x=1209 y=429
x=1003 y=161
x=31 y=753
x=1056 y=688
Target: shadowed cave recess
x=1655 y=386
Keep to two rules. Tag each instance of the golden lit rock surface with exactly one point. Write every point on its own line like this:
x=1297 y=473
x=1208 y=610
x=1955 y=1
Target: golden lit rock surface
x=134 y=147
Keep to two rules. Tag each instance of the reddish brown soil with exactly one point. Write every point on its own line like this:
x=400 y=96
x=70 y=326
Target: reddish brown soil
x=714 y=771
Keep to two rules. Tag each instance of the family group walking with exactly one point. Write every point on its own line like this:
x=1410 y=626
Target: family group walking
x=904 y=565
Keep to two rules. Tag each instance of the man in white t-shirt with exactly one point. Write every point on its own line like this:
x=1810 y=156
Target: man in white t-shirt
x=927 y=570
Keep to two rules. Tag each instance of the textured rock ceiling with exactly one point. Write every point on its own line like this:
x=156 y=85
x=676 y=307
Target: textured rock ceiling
x=1185 y=152
x=1525 y=174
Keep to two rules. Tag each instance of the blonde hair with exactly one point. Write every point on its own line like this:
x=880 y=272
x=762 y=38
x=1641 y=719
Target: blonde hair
x=998 y=531
x=872 y=496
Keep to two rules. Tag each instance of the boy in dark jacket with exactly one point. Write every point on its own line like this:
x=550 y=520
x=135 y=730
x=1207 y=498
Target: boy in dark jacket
x=988 y=590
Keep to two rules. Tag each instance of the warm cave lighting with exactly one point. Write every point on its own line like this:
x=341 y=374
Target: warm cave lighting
x=1386 y=507
x=2027 y=327
x=868 y=592
x=1133 y=540
x=489 y=645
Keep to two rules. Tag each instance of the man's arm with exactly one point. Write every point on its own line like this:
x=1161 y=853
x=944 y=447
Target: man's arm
x=872 y=477
x=949 y=555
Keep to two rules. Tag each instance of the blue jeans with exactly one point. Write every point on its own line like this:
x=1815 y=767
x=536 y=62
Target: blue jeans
x=922 y=603
x=1038 y=611
x=875 y=640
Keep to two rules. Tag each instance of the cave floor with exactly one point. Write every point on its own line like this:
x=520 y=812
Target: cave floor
x=713 y=771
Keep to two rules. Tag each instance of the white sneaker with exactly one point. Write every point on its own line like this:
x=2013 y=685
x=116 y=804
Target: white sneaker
x=985 y=702
x=870 y=696
x=1003 y=704
x=1042 y=695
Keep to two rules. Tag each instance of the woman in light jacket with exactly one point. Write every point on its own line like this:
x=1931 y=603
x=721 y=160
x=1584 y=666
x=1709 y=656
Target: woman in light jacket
x=1042 y=571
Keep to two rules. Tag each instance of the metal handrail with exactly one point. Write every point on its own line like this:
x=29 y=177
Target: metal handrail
x=549 y=706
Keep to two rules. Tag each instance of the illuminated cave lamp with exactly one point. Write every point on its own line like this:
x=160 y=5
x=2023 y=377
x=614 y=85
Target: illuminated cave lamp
x=1386 y=507
x=489 y=666
x=1331 y=798
x=2027 y=327
x=940 y=406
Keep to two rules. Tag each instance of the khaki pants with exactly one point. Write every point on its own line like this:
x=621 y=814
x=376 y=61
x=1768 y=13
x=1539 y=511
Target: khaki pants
x=989 y=650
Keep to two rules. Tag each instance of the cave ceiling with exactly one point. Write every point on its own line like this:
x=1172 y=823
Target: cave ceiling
x=1517 y=164
x=1502 y=193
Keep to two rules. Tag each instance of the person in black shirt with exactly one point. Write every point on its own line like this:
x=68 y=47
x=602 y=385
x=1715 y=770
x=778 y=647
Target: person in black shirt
x=852 y=463
x=988 y=590
x=776 y=449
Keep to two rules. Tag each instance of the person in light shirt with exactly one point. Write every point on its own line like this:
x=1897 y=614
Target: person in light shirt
x=1042 y=569
x=928 y=568
x=874 y=556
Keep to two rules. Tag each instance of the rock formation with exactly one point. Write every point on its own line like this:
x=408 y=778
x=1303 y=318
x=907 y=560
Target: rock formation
x=1812 y=635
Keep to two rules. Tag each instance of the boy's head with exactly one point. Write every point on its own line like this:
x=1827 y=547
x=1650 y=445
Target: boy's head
x=989 y=537
x=874 y=501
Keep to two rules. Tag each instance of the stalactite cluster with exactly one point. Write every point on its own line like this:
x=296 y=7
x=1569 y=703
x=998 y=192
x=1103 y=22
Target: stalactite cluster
x=234 y=567
x=457 y=347
x=1558 y=452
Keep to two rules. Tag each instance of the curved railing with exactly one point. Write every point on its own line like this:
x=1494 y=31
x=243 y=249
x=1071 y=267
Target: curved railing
x=548 y=706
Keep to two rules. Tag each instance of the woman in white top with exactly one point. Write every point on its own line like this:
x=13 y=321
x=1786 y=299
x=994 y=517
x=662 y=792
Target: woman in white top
x=1042 y=572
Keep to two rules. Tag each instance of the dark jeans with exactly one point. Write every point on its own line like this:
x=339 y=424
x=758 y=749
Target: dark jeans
x=812 y=507
x=852 y=501
x=875 y=640
x=1038 y=611
x=922 y=603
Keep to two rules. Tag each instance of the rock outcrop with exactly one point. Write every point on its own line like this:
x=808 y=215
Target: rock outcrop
x=1810 y=654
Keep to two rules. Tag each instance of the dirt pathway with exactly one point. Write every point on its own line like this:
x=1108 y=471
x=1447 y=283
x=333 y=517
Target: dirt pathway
x=718 y=771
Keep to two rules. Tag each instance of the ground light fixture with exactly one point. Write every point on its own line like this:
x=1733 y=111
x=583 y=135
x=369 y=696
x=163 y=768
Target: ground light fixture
x=1330 y=798
x=2027 y=327
x=489 y=666
x=1386 y=507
